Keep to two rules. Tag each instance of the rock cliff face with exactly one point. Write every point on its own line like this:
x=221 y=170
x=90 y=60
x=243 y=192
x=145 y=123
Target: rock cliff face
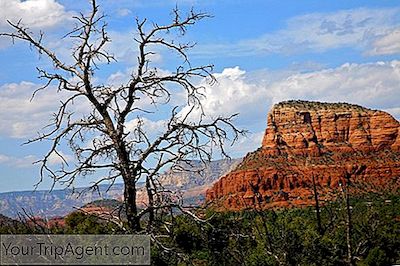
x=311 y=140
x=199 y=174
x=194 y=183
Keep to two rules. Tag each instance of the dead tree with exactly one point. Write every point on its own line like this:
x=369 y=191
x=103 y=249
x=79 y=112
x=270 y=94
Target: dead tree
x=348 y=221
x=99 y=138
x=316 y=198
x=317 y=207
x=345 y=190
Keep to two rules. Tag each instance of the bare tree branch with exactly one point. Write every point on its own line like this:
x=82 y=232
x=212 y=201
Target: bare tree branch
x=99 y=138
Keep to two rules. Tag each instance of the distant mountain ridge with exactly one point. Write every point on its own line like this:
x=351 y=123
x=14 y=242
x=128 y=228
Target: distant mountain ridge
x=55 y=203
x=61 y=202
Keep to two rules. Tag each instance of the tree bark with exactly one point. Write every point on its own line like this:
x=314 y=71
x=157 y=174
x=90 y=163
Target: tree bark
x=150 y=197
x=349 y=230
x=348 y=222
x=130 y=205
x=317 y=209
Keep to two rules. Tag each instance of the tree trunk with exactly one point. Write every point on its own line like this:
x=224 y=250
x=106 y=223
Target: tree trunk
x=130 y=206
x=151 y=201
x=348 y=222
x=349 y=230
x=129 y=178
x=317 y=209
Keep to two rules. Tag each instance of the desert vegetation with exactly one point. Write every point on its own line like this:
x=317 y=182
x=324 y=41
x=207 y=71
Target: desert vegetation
x=269 y=237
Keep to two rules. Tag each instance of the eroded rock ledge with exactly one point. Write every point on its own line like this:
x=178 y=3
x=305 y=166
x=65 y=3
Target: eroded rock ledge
x=305 y=139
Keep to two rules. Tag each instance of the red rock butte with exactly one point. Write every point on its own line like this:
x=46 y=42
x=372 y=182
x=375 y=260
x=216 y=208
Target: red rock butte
x=306 y=140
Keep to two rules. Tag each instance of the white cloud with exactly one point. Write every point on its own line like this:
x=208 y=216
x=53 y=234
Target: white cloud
x=26 y=161
x=321 y=31
x=150 y=127
x=234 y=94
x=4 y=158
x=387 y=44
x=317 y=32
x=29 y=160
x=55 y=159
x=251 y=94
x=46 y=15
x=123 y=12
x=245 y=144
x=34 y=13
x=22 y=118
x=394 y=111
x=22 y=162
x=120 y=77
x=125 y=48
x=374 y=85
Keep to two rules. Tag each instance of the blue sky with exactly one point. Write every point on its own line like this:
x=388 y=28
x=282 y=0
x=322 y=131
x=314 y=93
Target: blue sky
x=263 y=51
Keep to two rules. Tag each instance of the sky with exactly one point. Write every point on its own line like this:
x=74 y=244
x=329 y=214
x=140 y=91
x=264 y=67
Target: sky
x=263 y=52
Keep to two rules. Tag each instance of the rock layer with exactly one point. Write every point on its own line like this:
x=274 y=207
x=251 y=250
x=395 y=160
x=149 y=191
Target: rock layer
x=311 y=140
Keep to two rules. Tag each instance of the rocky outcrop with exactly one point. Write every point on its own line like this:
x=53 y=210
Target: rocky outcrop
x=311 y=140
x=191 y=180
x=196 y=174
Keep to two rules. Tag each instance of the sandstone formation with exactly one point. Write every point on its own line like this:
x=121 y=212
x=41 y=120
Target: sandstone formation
x=197 y=174
x=190 y=181
x=306 y=140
